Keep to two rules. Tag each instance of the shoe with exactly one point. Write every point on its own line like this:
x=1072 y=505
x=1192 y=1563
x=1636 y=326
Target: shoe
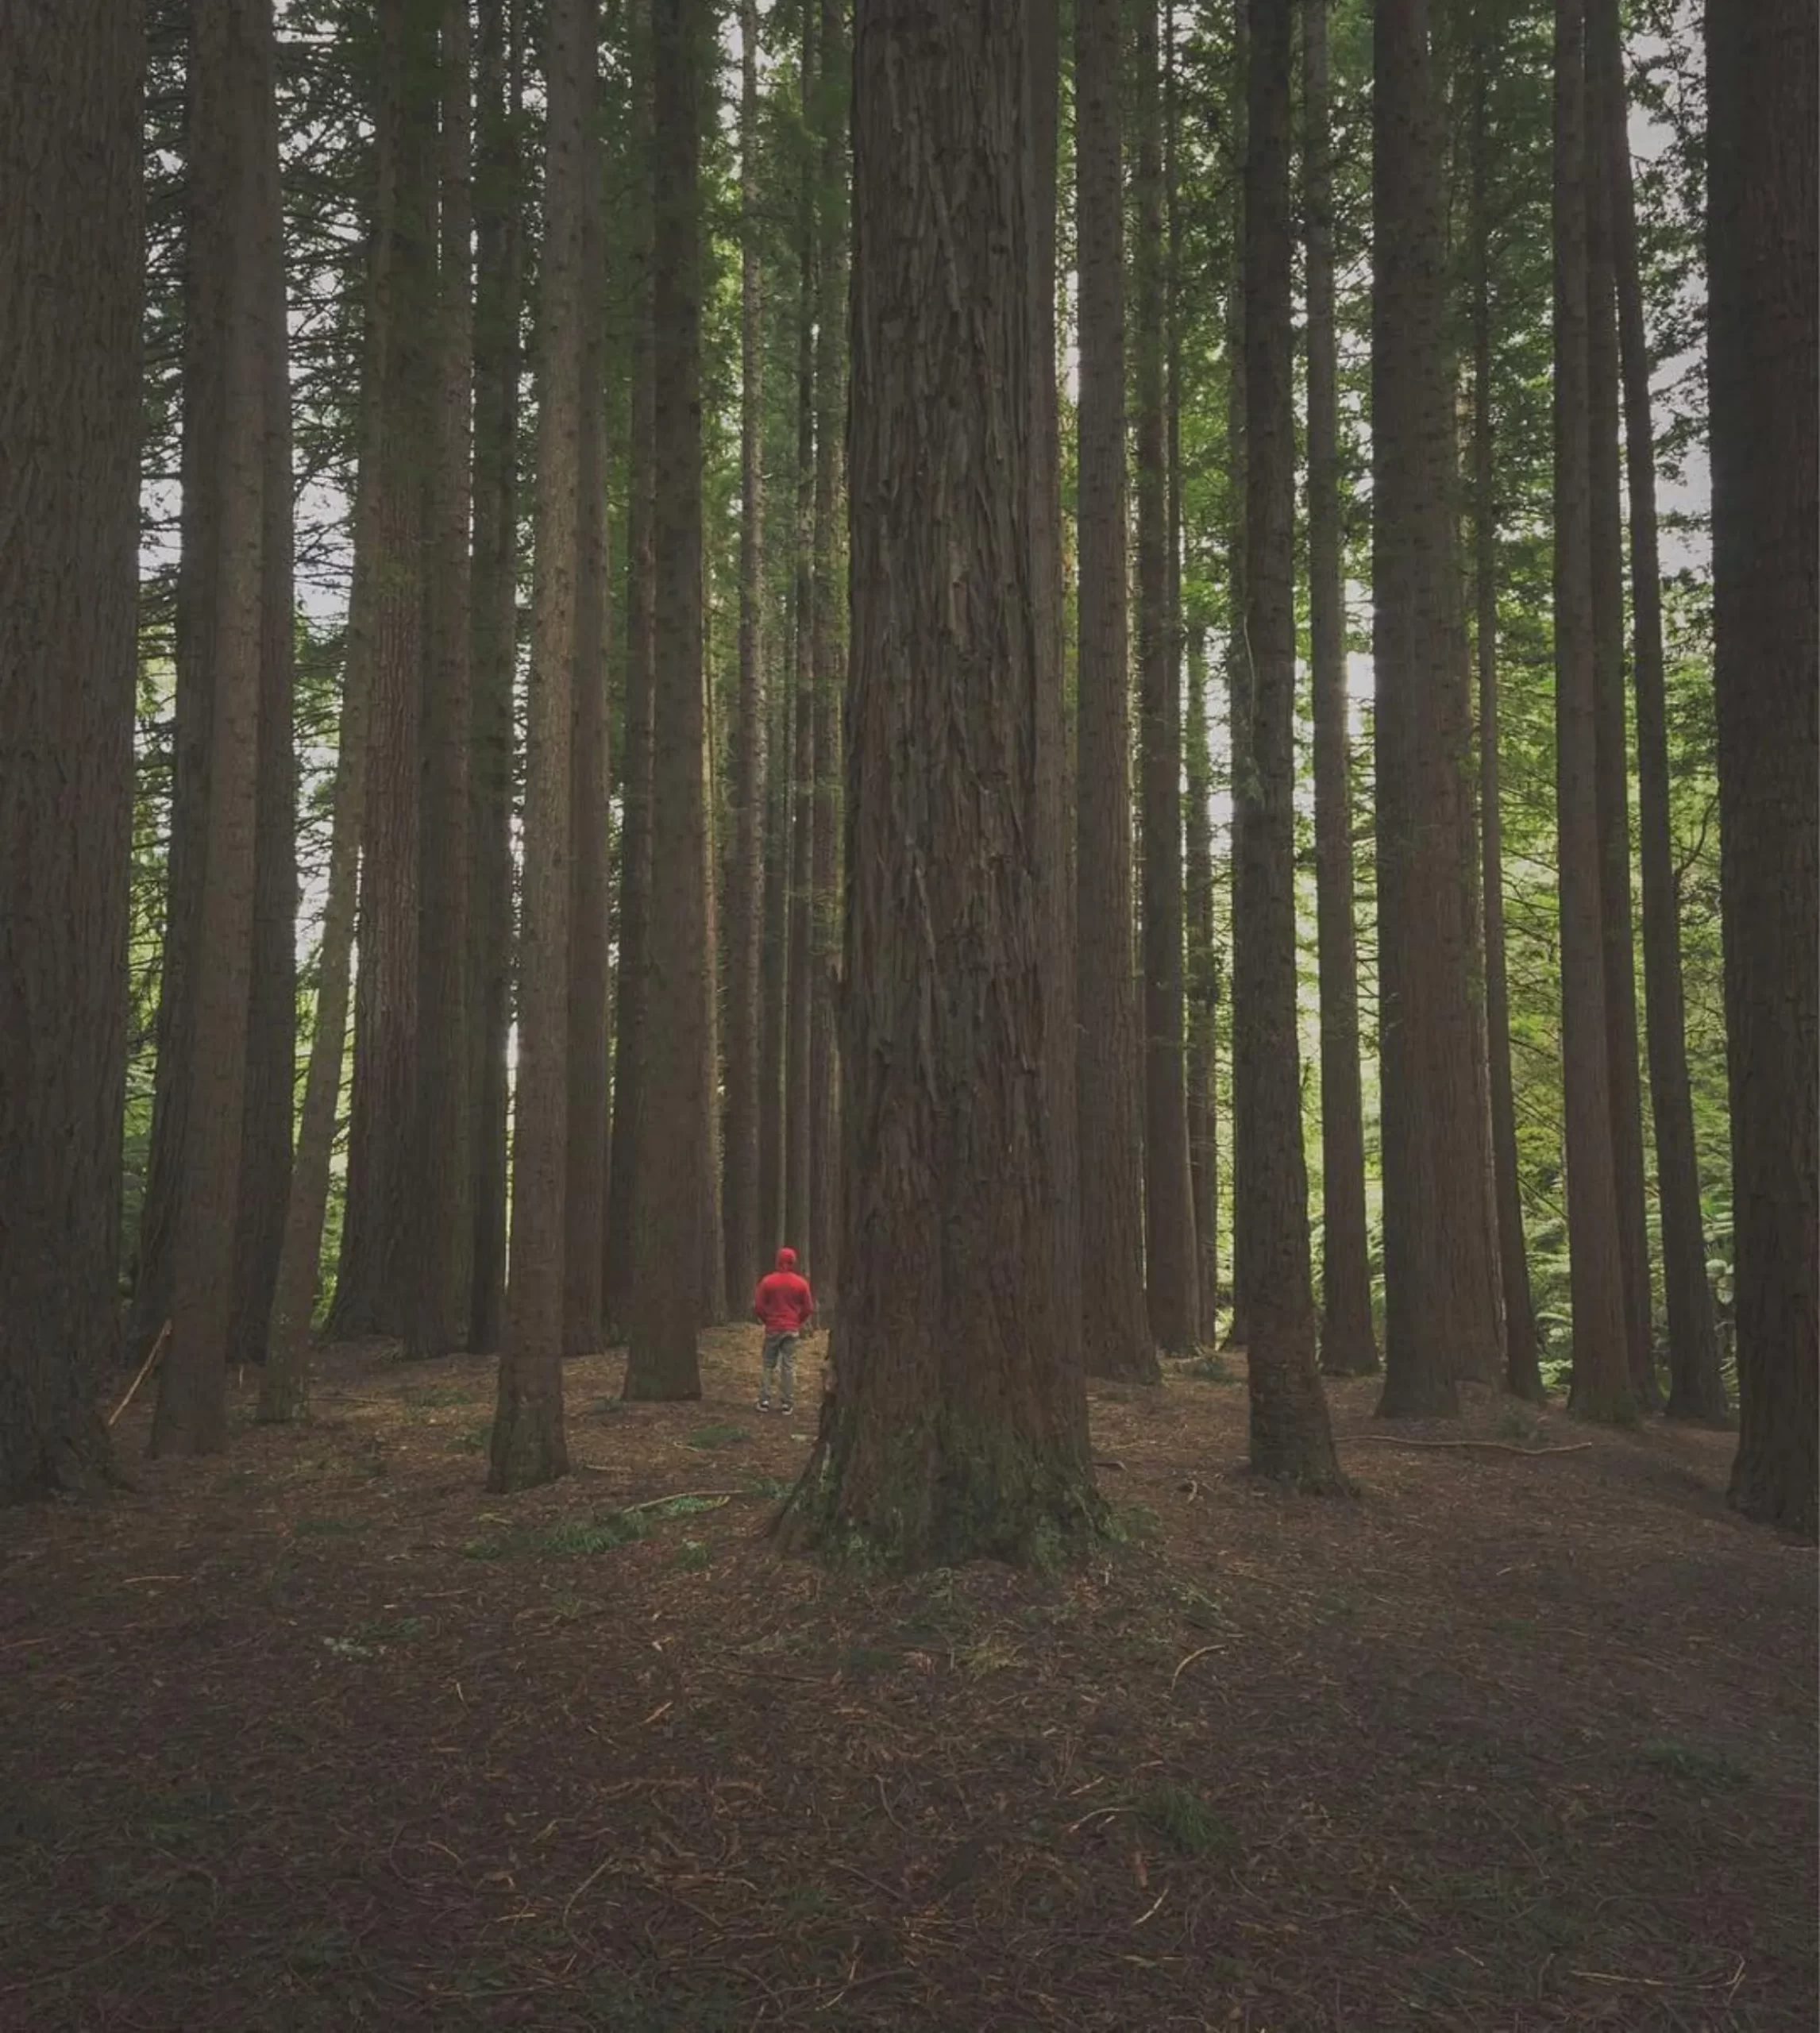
x=765 y=1405
x=786 y=1406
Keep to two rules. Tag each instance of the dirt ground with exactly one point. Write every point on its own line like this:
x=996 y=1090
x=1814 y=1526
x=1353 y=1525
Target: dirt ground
x=320 y=1736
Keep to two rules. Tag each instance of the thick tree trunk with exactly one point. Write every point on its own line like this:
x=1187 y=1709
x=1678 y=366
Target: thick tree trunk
x=1602 y=1387
x=585 y=1198
x=958 y=1427
x=667 y=1247
x=1290 y=1440
x=1761 y=262
x=740 y=1193
x=372 y=1280
x=1611 y=767
x=1348 y=1342
x=1169 y=1270
x=1114 y=1322
x=826 y=649
x=1696 y=1386
x=230 y=82
x=498 y=301
x=528 y=1445
x=630 y=989
x=1522 y=1375
x=1440 y=1274
x=71 y=270
x=439 y=1230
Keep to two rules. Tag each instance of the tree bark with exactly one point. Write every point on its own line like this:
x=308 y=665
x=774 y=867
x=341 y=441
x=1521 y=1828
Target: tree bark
x=1203 y=983
x=1602 y=1386
x=498 y=304
x=1169 y=1269
x=667 y=1249
x=774 y=975
x=1696 y=1386
x=585 y=1199
x=1348 y=1341
x=740 y=1195
x=1114 y=1322
x=1611 y=765
x=632 y=985
x=1762 y=228
x=1290 y=1440
x=439 y=1229
x=958 y=1426
x=1522 y=1374
x=1440 y=1276
x=528 y=1445
x=71 y=270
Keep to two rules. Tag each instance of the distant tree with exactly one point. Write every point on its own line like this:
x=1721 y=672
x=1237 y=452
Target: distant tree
x=1764 y=365
x=71 y=279
x=1116 y=1326
x=528 y=1446
x=957 y=1426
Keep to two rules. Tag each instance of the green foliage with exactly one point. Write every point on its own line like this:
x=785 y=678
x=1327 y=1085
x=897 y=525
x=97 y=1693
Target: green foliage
x=1712 y=1772
x=718 y=1436
x=1184 y=1820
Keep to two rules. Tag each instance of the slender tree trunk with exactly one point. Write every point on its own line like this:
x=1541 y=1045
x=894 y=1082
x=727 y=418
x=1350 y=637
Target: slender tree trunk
x=1602 y=1387
x=529 y=1444
x=1440 y=1272
x=1611 y=768
x=1696 y=1387
x=71 y=270
x=439 y=1228
x=1115 y=1323
x=622 y=1180
x=1348 y=1343
x=740 y=1195
x=826 y=649
x=1289 y=1436
x=958 y=1427
x=371 y=1282
x=774 y=977
x=1170 y=1277
x=584 y=1200
x=1522 y=1375
x=499 y=302
x=230 y=76
x=1762 y=229
x=797 y=1143
x=710 y=1239
x=1203 y=983
x=667 y=1249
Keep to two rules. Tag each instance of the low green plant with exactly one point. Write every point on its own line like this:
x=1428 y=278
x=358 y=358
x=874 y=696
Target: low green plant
x=692 y=1555
x=1184 y=1820
x=718 y=1436
x=1711 y=1770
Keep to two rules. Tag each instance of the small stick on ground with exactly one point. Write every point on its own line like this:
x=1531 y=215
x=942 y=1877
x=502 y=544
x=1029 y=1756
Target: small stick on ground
x=144 y=1371
x=1497 y=1446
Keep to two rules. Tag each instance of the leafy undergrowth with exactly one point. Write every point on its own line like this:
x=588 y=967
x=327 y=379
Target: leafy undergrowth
x=319 y=1736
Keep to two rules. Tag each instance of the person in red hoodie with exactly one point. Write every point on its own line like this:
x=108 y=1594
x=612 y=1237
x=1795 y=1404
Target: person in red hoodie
x=786 y=1305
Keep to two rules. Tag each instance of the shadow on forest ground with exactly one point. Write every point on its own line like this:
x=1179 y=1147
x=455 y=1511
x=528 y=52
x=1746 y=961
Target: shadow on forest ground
x=319 y=1736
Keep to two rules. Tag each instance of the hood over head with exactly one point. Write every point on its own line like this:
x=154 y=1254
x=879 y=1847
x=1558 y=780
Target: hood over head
x=786 y=1259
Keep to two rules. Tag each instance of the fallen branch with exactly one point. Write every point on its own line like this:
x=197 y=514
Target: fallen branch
x=144 y=1371
x=685 y=1496
x=1498 y=1446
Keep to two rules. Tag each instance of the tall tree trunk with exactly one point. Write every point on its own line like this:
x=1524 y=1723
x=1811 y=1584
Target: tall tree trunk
x=740 y=1195
x=529 y=1444
x=773 y=979
x=499 y=303
x=72 y=272
x=1170 y=1275
x=711 y=1284
x=958 y=1426
x=585 y=1199
x=630 y=993
x=1348 y=1342
x=1289 y=1435
x=1611 y=766
x=797 y=1105
x=1440 y=1274
x=1761 y=228
x=1602 y=1386
x=1696 y=1386
x=826 y=649
x=370 y=1281
x=1522 y=1374
x=1203 y=982
x=230 y=85
x=439 y=1230
x=667 y=1251
x=1115 y=1323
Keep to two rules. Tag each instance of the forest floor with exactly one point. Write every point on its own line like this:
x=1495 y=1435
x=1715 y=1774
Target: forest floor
x=318 y=1735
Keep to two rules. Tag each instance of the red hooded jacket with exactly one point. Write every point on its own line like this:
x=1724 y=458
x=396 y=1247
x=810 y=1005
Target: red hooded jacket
x=783 y=1300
